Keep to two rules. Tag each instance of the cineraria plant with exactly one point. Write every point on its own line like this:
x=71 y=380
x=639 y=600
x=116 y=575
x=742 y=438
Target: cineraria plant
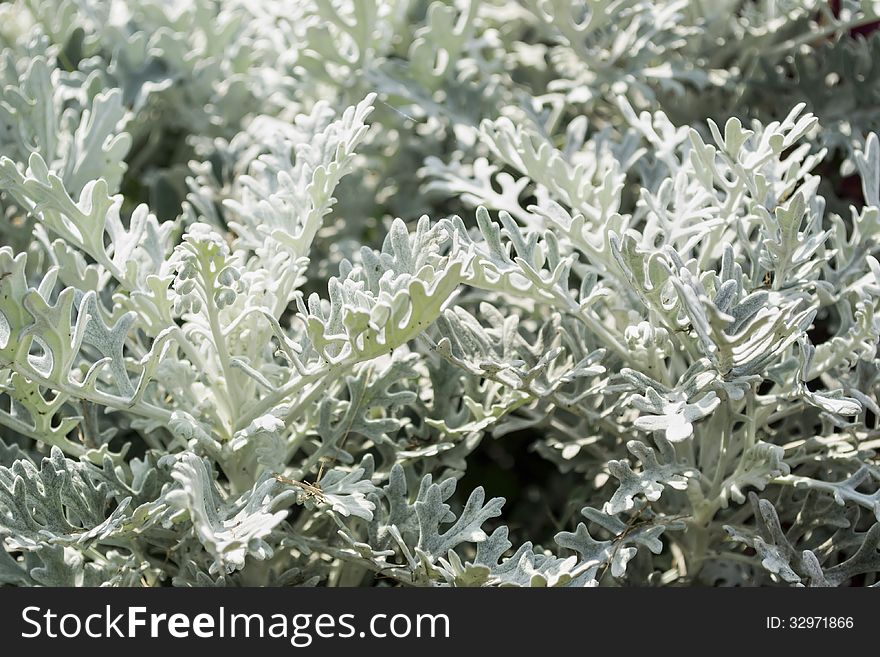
x=299 y=293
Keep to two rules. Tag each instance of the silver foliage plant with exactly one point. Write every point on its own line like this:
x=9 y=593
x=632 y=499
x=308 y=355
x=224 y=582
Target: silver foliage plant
x=287 y=290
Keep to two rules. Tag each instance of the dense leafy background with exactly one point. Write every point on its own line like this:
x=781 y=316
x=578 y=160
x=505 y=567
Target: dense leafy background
x=297 y=292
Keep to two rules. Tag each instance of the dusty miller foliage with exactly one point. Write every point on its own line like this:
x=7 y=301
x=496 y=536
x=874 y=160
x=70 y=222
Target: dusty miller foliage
x=290 y=290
